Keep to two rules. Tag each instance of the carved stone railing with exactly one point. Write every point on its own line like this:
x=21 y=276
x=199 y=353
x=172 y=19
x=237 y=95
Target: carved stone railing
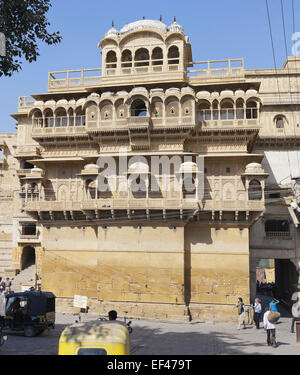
x=58 y=131
x=29 y=150
x=144 y=203
x=224 y=205
x=229 y=124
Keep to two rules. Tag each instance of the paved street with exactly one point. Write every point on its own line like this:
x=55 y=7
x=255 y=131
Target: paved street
x=159 y=338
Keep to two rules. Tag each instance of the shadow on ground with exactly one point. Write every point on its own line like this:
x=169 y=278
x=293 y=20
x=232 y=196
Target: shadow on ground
x=156 y=342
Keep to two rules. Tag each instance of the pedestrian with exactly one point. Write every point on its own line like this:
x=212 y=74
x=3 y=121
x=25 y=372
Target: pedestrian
x=7 y=285
x=2 y=285
x=112 y=315
x=273 y=305
x=241 y=313
x=271 y=330
x=257 y=312
x=295 y=313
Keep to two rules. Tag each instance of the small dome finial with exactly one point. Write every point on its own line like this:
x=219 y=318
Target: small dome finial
x=174 y=18
x=160 y=18
x=112 y=23
x=143 y=17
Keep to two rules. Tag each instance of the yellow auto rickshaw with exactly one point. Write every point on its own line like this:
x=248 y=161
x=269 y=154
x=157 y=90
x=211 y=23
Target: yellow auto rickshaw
x=109 y=337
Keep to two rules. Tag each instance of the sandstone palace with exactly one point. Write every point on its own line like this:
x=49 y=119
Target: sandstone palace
x=165 y=253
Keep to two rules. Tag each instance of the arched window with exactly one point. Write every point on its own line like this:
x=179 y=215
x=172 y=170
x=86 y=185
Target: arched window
x=141 y=57
x=49 y=119
x=157 y=56
x=172 y=107
x=215 y=109
x=79 y=117
x=61 y=117
x=71 y=116
x=138 y=108
x=37 y=118
x=255 y=190
x=126 y=59
x=240 y=109
x=227 y=111
x=279 y=122
x=204 y=112
x=251 y=109
x=111 y=60
x=91 y=189
x=173 y=55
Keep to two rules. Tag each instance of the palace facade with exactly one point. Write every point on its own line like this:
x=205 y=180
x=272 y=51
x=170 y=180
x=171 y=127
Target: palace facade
x=168 y=253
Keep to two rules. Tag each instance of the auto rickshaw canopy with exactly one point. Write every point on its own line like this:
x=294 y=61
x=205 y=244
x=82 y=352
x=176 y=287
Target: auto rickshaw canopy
x=39 y=303
x=110 y=331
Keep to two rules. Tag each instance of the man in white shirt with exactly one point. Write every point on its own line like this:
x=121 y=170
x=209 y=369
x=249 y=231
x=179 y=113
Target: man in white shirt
x=271 y=330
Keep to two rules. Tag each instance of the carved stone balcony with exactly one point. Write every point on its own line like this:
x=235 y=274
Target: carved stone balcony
x=224 y=205
x=154 y=209
x=229 y=124
x=27 y=151
x=142 y=122
x=29 y=238
x=64 y=131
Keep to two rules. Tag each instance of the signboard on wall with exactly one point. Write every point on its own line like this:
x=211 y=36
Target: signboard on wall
x=26 y=287
x=80 y=301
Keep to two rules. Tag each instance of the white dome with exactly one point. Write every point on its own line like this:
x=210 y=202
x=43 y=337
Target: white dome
x=226 y=92
x=37 y=170
x=121 y=93
x=175 y=27
x=239 y=93
x=139 y=90
x=188 y=167
x=50 y=102
x=215 y=94
x=203 y=94
x=144 y=24
x=157 y=91
x=138 y=167
x=187 y=90
x=107 y=94
x=112 y=33
x=94 y=95
x=173 y=90
x=62 y=102
x=254 y=168
x=80 y=101
x=251 y=92
x=91 y=166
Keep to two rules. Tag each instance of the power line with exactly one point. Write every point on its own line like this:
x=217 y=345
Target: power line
x=276 y=71
x=289 y=75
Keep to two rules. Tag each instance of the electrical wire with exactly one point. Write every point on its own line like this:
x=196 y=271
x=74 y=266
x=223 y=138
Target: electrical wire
x=276 y=71
x=289 y=74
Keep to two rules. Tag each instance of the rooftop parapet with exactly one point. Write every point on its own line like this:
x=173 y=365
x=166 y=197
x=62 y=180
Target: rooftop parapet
x=216 y=70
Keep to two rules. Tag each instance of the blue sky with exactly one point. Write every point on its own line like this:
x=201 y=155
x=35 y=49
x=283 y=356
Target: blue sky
x=217 y=29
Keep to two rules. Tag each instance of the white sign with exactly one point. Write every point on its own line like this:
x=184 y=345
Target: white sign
x=80 y=301
x=26 y=287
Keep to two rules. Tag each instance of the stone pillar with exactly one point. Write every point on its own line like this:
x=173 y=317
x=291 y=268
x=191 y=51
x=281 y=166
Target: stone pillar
x=16 y=258
x=252 y=277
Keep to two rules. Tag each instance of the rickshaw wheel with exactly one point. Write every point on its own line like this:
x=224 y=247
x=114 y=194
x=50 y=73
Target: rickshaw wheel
x=29 y=331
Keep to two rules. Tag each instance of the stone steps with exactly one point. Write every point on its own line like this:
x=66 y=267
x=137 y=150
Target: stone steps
x=26 y=276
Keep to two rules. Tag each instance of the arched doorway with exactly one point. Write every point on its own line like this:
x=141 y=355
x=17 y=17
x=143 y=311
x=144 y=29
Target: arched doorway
x=28 y=257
